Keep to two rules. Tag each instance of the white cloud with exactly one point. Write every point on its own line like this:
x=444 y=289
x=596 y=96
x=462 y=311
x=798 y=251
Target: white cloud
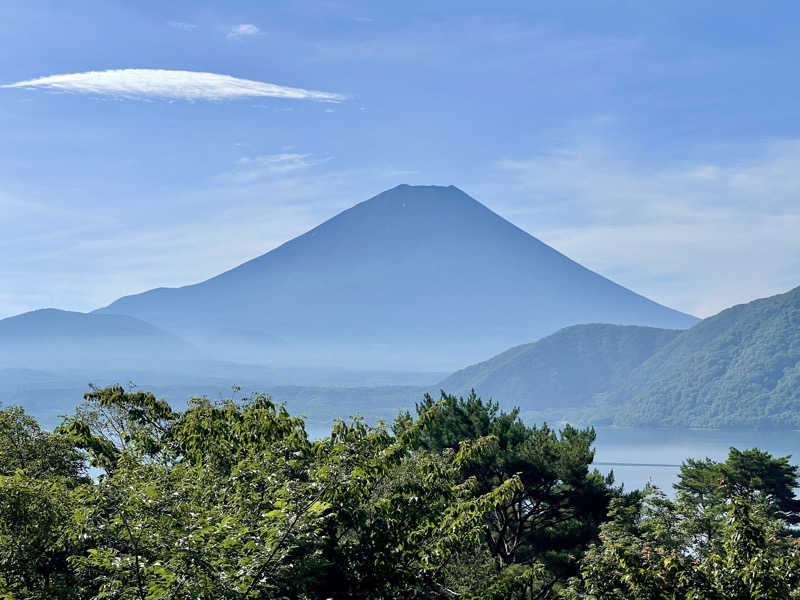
x=182 y=25
x=161 y=83
x=243 y=30
x=699 y=237
x=278 y=163
x=253 y=168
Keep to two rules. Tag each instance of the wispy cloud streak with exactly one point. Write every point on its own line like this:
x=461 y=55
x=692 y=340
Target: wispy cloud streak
x=182 y=25
x=170 y=85
x=246 y=29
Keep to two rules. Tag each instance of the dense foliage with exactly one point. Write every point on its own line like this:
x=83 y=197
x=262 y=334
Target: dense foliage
x=724 y=536
x=231 y=499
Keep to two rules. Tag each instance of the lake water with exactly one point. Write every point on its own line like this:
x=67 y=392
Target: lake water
x=639 y=456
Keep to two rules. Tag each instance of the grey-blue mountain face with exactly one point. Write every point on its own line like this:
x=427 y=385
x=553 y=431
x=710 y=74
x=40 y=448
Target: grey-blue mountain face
x=416 y=277
x=421 y=278
x=58 y=339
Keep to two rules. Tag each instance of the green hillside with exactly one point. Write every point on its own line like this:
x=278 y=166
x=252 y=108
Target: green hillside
x=564 y=370
x=738 y=368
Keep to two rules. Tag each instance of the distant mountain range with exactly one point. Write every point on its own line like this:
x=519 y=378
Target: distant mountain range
x=740 y=368
x=62 y=339
x=418 y=277
x=421 y=279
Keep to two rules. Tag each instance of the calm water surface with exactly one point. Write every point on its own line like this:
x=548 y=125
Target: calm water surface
x=639 y=456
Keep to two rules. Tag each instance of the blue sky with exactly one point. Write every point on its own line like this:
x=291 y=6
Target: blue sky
x=657 y=143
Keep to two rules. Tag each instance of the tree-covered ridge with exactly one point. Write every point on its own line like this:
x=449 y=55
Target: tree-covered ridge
x=230 y=499
x=564 y=370
x=738 y=368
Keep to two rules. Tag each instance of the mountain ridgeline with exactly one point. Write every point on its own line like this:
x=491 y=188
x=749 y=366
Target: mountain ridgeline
x=421 y=279
x=565 y=370
x=416 y=277
x=64 y=339
x=740 y=368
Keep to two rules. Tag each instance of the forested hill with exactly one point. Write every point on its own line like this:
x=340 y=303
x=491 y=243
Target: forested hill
x=564 y=370
x=738 y=368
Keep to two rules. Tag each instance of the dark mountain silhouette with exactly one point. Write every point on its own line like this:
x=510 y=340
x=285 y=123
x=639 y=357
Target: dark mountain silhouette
x=58 y=339
x=738 y=368
x=416 y=277
x=562 y=371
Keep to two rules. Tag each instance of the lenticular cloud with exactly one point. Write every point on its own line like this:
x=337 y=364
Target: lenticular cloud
x=170 y=85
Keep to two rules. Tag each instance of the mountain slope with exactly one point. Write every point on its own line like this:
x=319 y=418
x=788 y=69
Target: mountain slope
x=564 y=370
x=738 y=368
x=414 y=277
x=53 y=339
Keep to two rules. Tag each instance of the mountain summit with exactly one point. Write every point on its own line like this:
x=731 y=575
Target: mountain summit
x=418 y=276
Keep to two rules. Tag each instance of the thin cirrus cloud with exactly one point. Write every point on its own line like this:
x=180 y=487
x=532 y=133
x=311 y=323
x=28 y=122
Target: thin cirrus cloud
x=169 y=85
x=250 y=169
x=182 y=25
x=243 y=30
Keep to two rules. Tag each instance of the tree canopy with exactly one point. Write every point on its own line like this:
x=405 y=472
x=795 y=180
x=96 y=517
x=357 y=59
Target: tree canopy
x=231 y=499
